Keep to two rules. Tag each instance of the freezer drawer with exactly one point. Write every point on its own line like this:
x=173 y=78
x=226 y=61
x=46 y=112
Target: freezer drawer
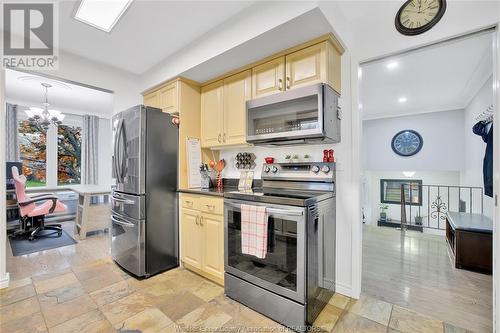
x=128 y=205
x=128 y=244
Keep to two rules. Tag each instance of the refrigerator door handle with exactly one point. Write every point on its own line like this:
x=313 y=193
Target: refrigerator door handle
x=116 y=150
x=125 y=224
x=123 y=166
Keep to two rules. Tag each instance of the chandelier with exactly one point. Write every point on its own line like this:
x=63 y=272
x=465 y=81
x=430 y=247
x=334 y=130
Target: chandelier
x=44 y=116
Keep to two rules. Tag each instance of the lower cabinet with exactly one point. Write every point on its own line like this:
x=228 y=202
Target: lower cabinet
x=202 y=236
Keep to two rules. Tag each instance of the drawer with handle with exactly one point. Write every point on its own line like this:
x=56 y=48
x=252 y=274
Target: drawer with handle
x=212 y=205
x=190 y=201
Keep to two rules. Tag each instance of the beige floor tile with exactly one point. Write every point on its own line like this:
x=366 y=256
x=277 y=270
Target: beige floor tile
x=157 y=293
x=204 y=317
x=19 y=309
x=339 y=301
x=19 y=283
x=228 y=305
x=101 y=280
x=178 y=304
x=44 y=285
x=150 y=320
x=12 y=295
x=51 y=274
x=372 y=309
x=328 y=317
x=90 y=322
x=449 y=328
x=34 y=323
x=112 y=293
x=172 y=328
x=126 y=307
x=208 y=291
x=61 y=295
x=408 y=321
x=352 y=323
x=57 y=313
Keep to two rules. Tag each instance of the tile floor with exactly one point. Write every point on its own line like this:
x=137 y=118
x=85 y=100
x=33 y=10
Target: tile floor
x=99 y=297
x=79 y=289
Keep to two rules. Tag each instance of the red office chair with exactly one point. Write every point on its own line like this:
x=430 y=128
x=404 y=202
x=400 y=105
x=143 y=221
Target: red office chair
x=33 y=216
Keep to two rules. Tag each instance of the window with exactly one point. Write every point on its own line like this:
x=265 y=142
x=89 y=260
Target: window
x=33 y=153
x=390 y=191
x=50 y=156
x=69 y=154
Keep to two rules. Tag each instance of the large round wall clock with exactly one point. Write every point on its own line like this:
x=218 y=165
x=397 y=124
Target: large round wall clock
x=418 y=16
x=407 y=143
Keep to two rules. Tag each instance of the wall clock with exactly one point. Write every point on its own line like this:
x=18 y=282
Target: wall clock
x=418 y=16
x=407 y=143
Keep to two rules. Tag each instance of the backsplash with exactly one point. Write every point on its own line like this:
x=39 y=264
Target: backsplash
x=279 y=153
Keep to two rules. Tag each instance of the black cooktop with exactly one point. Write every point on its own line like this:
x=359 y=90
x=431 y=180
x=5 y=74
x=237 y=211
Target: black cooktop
x=301 y=198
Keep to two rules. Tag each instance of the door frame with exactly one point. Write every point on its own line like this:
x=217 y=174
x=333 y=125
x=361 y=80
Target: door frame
x=357 y=122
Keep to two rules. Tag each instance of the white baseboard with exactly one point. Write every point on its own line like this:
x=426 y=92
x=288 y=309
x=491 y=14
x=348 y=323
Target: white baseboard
x=343 y=289
x=4 y=283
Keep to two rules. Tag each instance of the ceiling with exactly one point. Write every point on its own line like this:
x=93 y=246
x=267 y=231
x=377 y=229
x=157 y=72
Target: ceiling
x=147 y=33
x=436 y=78
x=26 y=90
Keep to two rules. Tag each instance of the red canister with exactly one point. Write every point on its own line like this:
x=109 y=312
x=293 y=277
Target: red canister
x=331 y=158
x=325 y=155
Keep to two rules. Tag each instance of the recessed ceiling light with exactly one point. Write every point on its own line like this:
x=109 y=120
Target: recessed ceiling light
x=402 y=99
x=409 y=174
x=392 y=65
x=101 y=14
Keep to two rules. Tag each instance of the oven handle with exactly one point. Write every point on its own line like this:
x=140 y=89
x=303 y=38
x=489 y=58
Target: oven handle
x=125 y=201
x=269 y=210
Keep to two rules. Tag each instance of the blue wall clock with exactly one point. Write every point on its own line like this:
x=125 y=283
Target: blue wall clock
x=407 y=143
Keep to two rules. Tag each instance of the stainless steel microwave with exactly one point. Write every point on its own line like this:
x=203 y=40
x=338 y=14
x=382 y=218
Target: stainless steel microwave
x=298 y=116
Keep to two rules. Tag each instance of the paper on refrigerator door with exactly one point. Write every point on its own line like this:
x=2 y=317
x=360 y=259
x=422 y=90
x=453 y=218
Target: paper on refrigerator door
x=194 y=161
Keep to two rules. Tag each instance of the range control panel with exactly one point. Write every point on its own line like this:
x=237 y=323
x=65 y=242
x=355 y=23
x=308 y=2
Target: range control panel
x=309 y=171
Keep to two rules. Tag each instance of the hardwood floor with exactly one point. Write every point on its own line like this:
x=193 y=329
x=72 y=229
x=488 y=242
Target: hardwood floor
x=416 y=271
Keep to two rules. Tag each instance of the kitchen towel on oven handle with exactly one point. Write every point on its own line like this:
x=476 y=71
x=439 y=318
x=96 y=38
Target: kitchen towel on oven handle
x=254 y=230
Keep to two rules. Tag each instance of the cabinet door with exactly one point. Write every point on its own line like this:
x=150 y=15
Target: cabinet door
x=237 y=90
x=212 y=114
x=191 y=238
x=307 y=66
x=168 y=98
x=152 y=100
x=268 y=78
x=213 y=247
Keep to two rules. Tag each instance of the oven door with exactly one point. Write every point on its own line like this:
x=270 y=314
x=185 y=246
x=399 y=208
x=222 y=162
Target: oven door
x=282 y=271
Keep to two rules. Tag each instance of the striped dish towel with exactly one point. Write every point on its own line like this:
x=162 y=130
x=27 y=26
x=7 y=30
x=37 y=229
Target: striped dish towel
x=254 y=230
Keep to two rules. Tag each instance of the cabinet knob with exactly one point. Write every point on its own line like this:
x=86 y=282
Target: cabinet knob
x=287 y=82
x=201 y=220
x=224 y=138
x=280 y=84
x=196 y=220
x=219 y=138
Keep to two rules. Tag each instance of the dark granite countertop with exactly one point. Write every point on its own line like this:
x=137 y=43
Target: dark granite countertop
x=470 y=222
x=208 y=191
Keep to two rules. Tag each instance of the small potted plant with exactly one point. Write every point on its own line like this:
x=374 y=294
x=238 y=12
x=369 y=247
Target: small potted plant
x=419 y=219
x=295 y=158
x=383 y=212
x=288 y=158
x=307 y=158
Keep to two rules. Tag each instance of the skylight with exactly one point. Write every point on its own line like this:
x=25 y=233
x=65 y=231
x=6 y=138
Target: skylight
x=101 y=14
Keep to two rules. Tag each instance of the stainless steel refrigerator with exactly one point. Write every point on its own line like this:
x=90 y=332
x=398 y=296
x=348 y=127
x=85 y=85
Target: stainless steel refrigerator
x=144 y=213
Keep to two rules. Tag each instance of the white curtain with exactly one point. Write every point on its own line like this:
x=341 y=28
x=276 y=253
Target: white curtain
x=11 y=126
x=89 y=149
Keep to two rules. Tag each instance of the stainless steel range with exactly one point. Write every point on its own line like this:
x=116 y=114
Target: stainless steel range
x=295 y=280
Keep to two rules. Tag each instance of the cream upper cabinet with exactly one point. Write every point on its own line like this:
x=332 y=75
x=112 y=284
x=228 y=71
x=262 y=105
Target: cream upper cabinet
x=152 y=100
x=167 y=97
x=268 y=78
x=306 y=66
x=192 y=237
x=213 y=247
x=212 y=109
x=237 y=90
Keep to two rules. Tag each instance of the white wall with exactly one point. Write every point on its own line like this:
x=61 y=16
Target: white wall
x=474 y=147
x=442 y=133
x=104 y=153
